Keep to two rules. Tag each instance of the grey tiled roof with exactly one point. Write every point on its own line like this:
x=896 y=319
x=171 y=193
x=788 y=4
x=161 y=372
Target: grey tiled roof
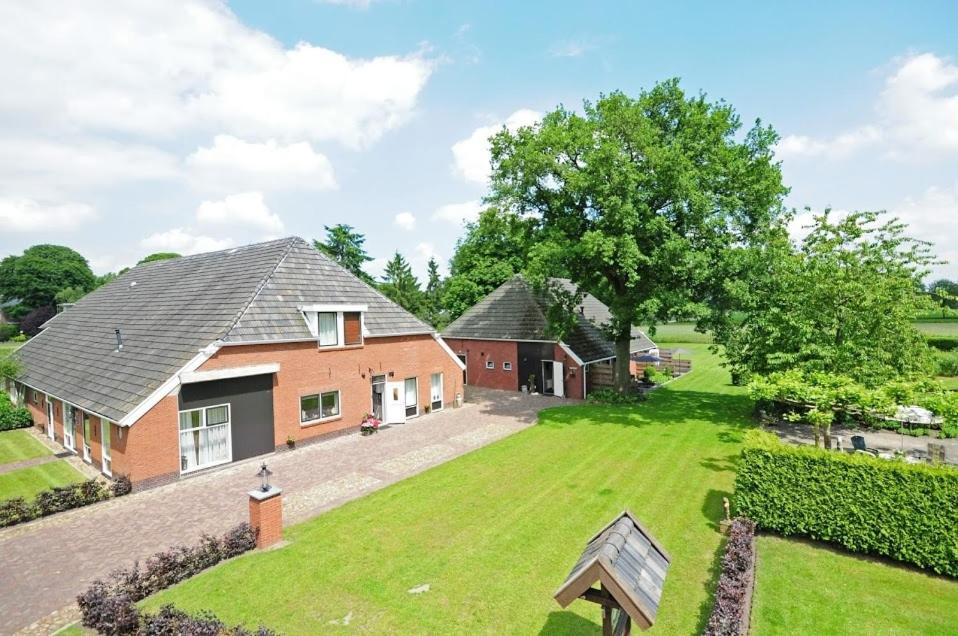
x=167 y=311
x=515 y=311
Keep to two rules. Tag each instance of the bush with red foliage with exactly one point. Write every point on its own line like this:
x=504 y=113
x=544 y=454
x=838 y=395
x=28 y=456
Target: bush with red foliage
x=31 y=323
x=733 y=594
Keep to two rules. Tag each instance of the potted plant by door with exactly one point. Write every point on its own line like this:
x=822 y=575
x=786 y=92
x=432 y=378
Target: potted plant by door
x=369 y=425
x=290 y=442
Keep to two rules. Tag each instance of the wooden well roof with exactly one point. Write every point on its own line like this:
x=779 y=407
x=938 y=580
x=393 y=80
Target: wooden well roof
x=629 y=563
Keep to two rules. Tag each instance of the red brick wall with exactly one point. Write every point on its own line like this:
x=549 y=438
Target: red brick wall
x=149 y=450
x=478 y=352
x=266 y=517
x=572 y=371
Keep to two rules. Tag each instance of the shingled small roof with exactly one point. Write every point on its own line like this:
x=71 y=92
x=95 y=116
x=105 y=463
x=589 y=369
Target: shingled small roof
x=167 y=311
x=629 y=563
x=516 y=311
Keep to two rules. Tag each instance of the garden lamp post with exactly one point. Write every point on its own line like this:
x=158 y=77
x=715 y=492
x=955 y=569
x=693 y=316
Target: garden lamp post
x=264 y=474
x=266 y=510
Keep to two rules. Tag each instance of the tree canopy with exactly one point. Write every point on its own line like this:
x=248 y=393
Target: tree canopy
x=494 y=248
x=639 y=198
x=35 y=277
x=158 y=256
x=346 y=246
x=401 y=286
x=841 y=303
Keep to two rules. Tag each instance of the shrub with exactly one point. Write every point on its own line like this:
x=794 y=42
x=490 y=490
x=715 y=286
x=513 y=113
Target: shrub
x=908 y=512
x=7 y=331
x=733 y=594
x=12 y=416
x=16 y=510
x=54 y=500
x=946 y=363
x=943 y=343
x=121 y=485
x=109 y=607
x=611 y=396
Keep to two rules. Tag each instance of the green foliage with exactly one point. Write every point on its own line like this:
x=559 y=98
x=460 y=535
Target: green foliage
x=8 y=331
x=946 y=363
x=907 y=512
x=20 y=338
x=843 y=302
x=611 y=396
x=640 y=198
x=401 y=286
x=345 y=246
x=945 y=293
x=494 y=249
x=9 y=368
x=432 y=310
x=69 y=295
x=943 y=343
x=40 y=272
x=12 y=416
x=158 y=256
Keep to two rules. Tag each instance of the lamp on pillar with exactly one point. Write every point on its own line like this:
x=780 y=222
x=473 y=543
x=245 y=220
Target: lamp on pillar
x=266 y=510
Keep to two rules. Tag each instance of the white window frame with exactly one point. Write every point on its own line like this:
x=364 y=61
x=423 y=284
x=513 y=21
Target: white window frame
x=311 y=316
x=106 y=443
x=229 y=435
x=507 y=366
x=319 y=396
x=87 y=433
x=442 y=390
x=338 y=320
x=490 y=364
x=406 y=394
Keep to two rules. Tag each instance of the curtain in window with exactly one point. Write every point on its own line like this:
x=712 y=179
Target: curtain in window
x=188 y=450
x=411 y=399
x=327 y=329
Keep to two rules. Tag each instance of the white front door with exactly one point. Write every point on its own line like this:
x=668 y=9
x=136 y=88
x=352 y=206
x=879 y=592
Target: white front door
x=49 y=418
x=395 y=403
x=69 y=418
x=558 y=378
x=105 y=447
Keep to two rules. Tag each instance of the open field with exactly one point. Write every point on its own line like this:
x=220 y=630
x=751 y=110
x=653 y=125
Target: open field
x=678 y=332
x=942 y=328
x=27 y=482
x=809 y=588
x=19 y=445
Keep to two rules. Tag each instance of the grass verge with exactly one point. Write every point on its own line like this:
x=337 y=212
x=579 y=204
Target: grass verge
x=27 y=482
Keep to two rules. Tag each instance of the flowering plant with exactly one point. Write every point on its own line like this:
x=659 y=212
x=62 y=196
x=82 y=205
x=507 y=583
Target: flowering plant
x=369 y=425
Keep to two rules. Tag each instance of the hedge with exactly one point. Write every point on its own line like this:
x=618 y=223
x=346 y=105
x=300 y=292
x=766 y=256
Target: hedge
x=907 y=512
x=733 y=594
x=109 y=607
x=54 y=500
x=12 y=416
x=943 y=343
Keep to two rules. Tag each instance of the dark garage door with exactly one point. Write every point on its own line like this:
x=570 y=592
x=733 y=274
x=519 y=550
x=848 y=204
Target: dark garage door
x=251 y=410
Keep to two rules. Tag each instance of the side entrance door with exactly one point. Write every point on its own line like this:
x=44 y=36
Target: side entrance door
x=49 y=418
x=558 y=378
x=395 y=403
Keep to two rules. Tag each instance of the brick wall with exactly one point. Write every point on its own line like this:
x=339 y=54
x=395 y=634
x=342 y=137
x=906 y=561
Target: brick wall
x=572 y=373
x=479 y=352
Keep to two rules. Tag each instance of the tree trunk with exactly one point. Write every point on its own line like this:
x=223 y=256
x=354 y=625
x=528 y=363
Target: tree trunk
x=818 y=430
x=828 y=437
x=623 y=378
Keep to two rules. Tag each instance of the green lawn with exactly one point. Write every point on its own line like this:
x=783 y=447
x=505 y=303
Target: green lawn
x=27 y=482
x=7 y=347
x=943 y=328
x=669 y=334
x=19 y=445
x=806 y=588
x=495 y=532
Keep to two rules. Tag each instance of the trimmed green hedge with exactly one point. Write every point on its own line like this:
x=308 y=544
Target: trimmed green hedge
x=11 y=416
x=943 y=343
x=907 y=512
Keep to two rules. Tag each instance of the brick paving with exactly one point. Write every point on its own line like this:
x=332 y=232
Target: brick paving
x=46 y=563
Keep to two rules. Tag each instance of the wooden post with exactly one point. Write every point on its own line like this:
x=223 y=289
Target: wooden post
x=266 y=516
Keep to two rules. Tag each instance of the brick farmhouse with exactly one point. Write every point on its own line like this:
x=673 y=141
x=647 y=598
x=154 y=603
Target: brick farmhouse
x=181 y=365
x=504 y=342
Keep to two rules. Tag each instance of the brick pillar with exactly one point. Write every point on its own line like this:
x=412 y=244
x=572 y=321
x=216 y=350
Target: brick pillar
x=266 y=516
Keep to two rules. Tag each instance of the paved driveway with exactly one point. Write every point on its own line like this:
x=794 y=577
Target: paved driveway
x=46 y=563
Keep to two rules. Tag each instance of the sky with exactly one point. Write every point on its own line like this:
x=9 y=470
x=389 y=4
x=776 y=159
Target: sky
x=192 y=125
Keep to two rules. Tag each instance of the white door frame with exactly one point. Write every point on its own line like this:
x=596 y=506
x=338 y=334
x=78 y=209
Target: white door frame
x=69 y=428
x=50 y=429
x=87 y=433
x=106 y=459
x=394 y=402
x=442 y=391
x=558 y=379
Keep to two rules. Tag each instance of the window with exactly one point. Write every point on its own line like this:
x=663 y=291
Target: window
x=352 y=328
x=435 y=391
x=319 y=406
x=205 y=437
x=87 y=431
x=490 y=364
x=507 y=366
x=35 y=397
x=328 y=329
x=106 y=459
x=69 y=421
x=412 y=397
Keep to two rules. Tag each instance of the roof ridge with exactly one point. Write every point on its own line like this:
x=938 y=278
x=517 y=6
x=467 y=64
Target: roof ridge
x=290 y=243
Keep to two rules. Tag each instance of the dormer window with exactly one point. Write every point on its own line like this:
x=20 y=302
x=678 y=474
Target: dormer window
x=335 y=325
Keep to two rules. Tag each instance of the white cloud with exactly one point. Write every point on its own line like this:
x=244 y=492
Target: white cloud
x=158 y=70
x=405 y=220
x=246 y=209
x=916 y=114
x=458 y=213
x=933 y=217
x=232 y=163
x=355 y=4
x=572 y=48
x=471 y=155
x=376 y=267
x=420 y=260
x=184 y=241
x=27 y=215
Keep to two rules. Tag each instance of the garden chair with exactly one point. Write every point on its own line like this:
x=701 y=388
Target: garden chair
x=858 y=443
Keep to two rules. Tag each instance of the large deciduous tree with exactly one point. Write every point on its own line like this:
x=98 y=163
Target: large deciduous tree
x=35 y=277
x=346 y=246
x=494 y=248
x=640 y=199
x=842 y=303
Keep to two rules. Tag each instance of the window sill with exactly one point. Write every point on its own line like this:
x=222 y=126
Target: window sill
x=340 y=347
x=327 y=420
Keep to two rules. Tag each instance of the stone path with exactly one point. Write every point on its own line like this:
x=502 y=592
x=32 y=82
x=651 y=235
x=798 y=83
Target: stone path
x=46 y=563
